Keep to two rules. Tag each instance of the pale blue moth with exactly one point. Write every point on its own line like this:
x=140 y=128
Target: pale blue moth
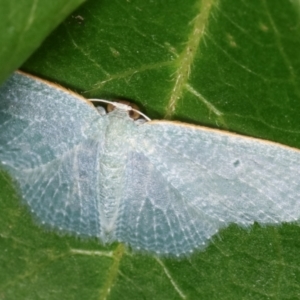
x=162 y=187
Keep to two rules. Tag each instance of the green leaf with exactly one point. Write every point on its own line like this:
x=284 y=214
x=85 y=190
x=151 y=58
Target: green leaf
x=232 y=65
x=24 y=24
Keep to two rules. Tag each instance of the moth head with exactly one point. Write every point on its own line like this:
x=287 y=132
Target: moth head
x=133 y=113
x=131 y=108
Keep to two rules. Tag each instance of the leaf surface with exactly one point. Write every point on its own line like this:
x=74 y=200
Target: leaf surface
x=24 y=24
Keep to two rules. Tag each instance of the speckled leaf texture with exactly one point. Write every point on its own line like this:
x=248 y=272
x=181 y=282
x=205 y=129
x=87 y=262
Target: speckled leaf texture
x=232 y=65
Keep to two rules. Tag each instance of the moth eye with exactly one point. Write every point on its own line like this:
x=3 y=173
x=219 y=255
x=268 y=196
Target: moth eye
x=132 y=114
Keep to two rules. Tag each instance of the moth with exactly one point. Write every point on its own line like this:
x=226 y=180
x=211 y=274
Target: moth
x=162 y=187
